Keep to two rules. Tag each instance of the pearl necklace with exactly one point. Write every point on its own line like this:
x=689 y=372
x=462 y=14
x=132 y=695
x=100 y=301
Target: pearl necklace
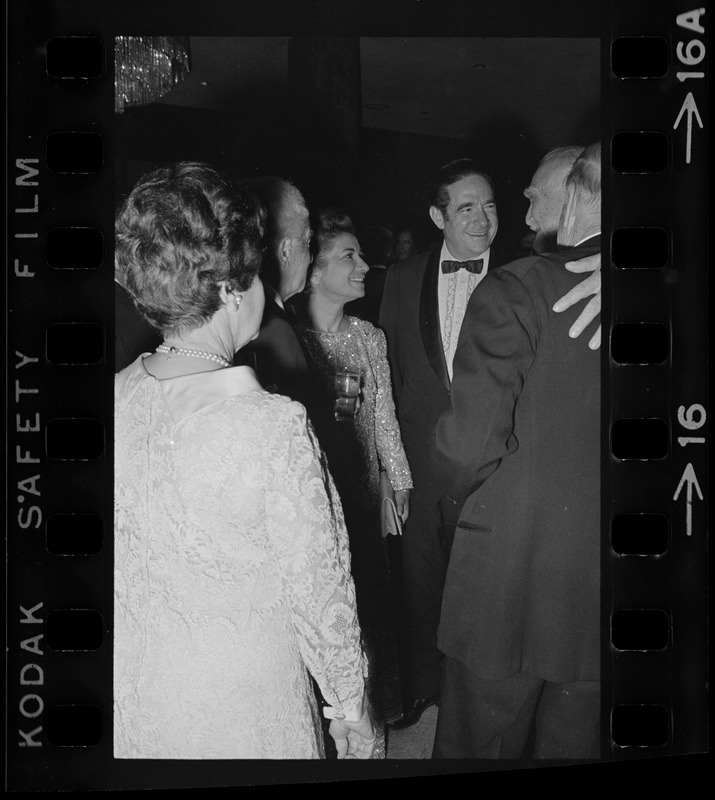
x=170 y=351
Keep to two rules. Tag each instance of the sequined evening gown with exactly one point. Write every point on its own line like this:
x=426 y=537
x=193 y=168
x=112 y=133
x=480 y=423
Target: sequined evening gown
x=356 y=452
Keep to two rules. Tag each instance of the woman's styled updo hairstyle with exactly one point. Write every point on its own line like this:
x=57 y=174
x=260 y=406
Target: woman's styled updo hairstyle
x=327 y=225
x=183 y=230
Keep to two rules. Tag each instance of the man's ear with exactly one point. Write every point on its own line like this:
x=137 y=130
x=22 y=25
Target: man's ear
x=436 y=216
x=285 y=250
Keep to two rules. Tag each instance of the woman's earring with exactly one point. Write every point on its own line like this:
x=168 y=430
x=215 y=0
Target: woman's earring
x=237 y=299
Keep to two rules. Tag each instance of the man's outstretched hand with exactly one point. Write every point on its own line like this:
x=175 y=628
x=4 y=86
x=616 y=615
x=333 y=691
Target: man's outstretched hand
x=590 y=286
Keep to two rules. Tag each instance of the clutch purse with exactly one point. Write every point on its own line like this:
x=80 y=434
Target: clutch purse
x=390 y=519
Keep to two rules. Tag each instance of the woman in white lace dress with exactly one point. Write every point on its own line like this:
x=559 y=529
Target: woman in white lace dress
x=358 y=447
x=232 y=570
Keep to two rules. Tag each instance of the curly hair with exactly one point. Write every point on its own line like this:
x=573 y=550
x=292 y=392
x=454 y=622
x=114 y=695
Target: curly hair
x=183 y=230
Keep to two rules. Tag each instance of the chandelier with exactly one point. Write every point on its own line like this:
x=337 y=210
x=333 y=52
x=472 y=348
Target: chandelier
x=147 y=67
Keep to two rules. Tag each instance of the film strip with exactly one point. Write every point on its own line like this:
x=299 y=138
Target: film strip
x=60 y=383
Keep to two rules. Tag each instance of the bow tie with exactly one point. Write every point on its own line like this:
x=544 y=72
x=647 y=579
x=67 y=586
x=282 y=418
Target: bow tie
x=475 y=265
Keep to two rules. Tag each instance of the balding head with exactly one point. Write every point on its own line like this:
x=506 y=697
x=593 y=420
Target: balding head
x=287 y=234
x=581 y=216
x=547 y=193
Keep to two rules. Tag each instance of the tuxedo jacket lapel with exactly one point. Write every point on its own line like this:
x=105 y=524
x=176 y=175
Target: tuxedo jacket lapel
x=429 y=319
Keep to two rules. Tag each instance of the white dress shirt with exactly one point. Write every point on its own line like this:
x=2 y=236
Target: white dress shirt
x=586 y=238
x=453 y=292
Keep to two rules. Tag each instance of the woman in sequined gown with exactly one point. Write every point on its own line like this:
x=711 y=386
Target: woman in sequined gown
x=359 y=447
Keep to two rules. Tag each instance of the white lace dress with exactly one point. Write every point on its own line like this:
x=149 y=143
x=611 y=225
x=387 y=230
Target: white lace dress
x=232 y=574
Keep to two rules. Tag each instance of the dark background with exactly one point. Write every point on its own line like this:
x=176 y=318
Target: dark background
x=363 y=123
x=38 y=106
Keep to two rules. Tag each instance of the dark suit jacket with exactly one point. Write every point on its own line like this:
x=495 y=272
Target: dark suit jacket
x=409 y=315
x=520 y=446
x=277 y=355
x=283 y=365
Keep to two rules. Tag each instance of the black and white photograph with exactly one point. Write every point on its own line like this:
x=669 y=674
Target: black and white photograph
x=359 y=468
x=313 y=219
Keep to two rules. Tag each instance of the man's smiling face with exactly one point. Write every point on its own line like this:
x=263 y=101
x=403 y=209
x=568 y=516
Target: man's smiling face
x=470 y=221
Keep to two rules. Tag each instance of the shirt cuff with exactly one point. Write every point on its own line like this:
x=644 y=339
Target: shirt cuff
x=348 y=713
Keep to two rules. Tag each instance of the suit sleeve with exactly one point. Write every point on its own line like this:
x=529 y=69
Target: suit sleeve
x=497 y=345
x=389 y=308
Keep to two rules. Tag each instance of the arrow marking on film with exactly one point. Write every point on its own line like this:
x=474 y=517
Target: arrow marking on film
x=691 y=109
x=692 y=481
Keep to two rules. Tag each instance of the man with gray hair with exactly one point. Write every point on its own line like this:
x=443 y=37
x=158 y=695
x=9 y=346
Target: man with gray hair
x=519 y=449
x=277 y=354
x=545 y=194
x=287 y=257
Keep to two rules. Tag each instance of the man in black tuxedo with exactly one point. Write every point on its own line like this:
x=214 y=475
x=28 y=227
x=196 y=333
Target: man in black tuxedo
x=519 y=452
x=277 y=354
x=423 y=303
x=422 y=307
